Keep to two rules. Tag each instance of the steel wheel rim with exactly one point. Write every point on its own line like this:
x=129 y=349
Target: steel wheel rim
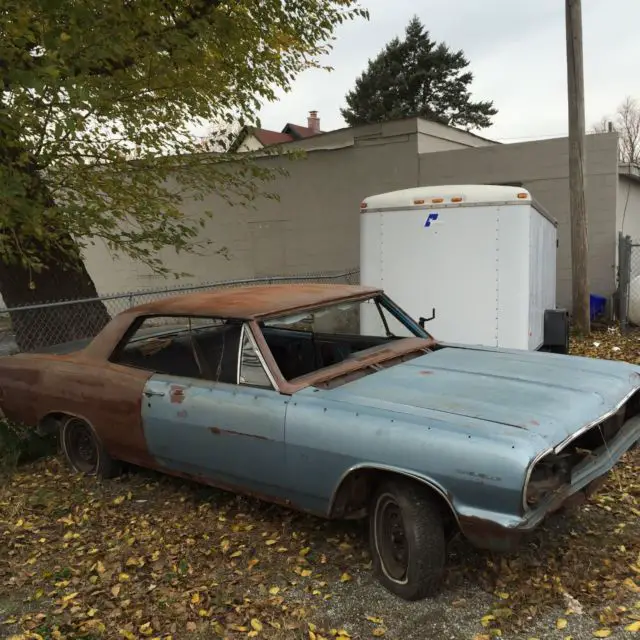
x=81 y=446
x=391 y=539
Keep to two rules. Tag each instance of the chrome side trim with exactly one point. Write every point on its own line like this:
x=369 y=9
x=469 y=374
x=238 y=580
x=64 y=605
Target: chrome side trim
x=527 y=477
x=239 y=362
x=593 y=423
x=407 y=474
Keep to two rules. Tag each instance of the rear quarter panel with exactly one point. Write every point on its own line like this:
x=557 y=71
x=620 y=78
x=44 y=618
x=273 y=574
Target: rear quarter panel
x=107 y=396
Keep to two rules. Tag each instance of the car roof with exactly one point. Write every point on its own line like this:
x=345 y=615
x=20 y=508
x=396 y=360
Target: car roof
x=254 y=301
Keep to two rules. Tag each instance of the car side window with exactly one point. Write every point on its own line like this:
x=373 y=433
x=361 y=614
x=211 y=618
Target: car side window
x=189 y=347
x=251 y=371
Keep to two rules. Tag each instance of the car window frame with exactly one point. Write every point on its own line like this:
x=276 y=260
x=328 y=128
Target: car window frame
x=246 y=330
x=423 y=340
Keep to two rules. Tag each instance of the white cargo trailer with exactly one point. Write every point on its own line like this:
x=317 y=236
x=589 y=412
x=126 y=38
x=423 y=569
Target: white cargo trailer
x=478 y=260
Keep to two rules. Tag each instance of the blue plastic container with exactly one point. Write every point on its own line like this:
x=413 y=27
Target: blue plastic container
x=597 y=306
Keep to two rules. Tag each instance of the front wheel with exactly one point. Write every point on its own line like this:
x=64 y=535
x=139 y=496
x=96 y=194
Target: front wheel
x=85 y=452
x=407 y=539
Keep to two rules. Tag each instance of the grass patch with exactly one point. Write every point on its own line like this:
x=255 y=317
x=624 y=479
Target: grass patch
x=20 y=444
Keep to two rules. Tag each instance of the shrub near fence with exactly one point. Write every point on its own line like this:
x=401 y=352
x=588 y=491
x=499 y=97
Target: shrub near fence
x=37 y=327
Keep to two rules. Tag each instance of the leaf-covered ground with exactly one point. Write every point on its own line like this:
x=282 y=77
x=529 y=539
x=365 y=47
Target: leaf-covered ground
x=148 y=556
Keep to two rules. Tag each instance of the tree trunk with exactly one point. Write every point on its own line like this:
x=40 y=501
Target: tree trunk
x=43 y=326
x=63 y=276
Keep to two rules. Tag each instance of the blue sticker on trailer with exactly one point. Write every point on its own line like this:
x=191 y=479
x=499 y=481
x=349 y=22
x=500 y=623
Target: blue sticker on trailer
x=432 y=217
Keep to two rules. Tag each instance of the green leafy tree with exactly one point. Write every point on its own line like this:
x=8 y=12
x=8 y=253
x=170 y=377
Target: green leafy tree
x=96 y=112
x=417 y=77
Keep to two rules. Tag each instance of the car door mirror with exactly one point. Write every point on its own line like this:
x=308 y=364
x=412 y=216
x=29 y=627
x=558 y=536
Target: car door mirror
x=422 y=321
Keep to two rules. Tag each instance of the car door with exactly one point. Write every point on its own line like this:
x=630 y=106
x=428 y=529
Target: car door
x=231 y=434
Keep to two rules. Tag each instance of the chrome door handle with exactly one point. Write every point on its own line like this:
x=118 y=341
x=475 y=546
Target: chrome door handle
x=150 y=393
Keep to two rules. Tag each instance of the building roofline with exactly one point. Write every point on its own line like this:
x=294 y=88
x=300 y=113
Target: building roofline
x=629 y=170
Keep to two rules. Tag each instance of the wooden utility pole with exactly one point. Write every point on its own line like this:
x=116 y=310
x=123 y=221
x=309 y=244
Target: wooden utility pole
x=579 y=242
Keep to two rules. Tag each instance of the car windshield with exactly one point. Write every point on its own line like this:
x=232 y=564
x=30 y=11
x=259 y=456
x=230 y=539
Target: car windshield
x=304 y=342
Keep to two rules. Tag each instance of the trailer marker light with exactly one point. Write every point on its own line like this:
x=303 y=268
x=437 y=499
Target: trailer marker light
x=456 y=199
x=363 y=205
x=419 y=201
x=437 y=200
x=523 y=196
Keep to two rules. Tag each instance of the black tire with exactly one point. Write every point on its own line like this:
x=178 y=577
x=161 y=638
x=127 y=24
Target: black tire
x=407 y=539
x=85 y=452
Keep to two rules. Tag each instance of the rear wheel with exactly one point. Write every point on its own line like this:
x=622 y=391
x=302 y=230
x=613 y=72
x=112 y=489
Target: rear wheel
x=85 y=452
x=407 y=539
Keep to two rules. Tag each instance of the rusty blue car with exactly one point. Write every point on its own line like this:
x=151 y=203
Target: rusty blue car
x=331 y=400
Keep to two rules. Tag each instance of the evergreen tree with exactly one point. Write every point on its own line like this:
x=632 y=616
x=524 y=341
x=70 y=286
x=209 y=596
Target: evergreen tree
x=417 y=77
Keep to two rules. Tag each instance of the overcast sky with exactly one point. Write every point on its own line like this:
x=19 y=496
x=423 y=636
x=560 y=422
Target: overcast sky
x=516 y=51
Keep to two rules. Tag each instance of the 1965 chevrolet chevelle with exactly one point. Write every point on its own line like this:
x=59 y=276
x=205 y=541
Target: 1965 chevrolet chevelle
x=330 y=399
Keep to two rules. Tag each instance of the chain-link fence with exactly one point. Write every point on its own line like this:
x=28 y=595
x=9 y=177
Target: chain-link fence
x=44 y=326
x=628 y=294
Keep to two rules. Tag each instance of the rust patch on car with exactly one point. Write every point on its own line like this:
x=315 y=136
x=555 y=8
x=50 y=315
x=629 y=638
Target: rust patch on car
x=489 y=535
x=217 y=431
x=237 y=489
x=176 y=394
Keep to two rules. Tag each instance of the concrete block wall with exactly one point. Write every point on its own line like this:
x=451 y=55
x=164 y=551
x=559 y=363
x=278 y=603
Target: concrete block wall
x=314 y=227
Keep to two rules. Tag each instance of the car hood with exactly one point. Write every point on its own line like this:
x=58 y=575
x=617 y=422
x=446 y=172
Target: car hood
x=546 y=394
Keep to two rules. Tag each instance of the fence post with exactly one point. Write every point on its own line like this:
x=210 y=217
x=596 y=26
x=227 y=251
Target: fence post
x=624 y=279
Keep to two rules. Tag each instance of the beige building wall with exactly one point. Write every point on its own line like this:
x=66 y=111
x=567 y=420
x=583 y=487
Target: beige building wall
x=543 y=168
x=314 y=227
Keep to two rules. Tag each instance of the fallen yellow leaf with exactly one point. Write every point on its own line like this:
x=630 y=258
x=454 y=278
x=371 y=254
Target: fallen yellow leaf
x=256 y=625
x=378 y=632
x=146 y=629
x=345 y=577
x=561 y=623
x=274 y=591
x=602 y=633
x=485 y=620
x=631 y=585
x=119 y=500
x=374 y=619
x=634 y=627
x=195 y=598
